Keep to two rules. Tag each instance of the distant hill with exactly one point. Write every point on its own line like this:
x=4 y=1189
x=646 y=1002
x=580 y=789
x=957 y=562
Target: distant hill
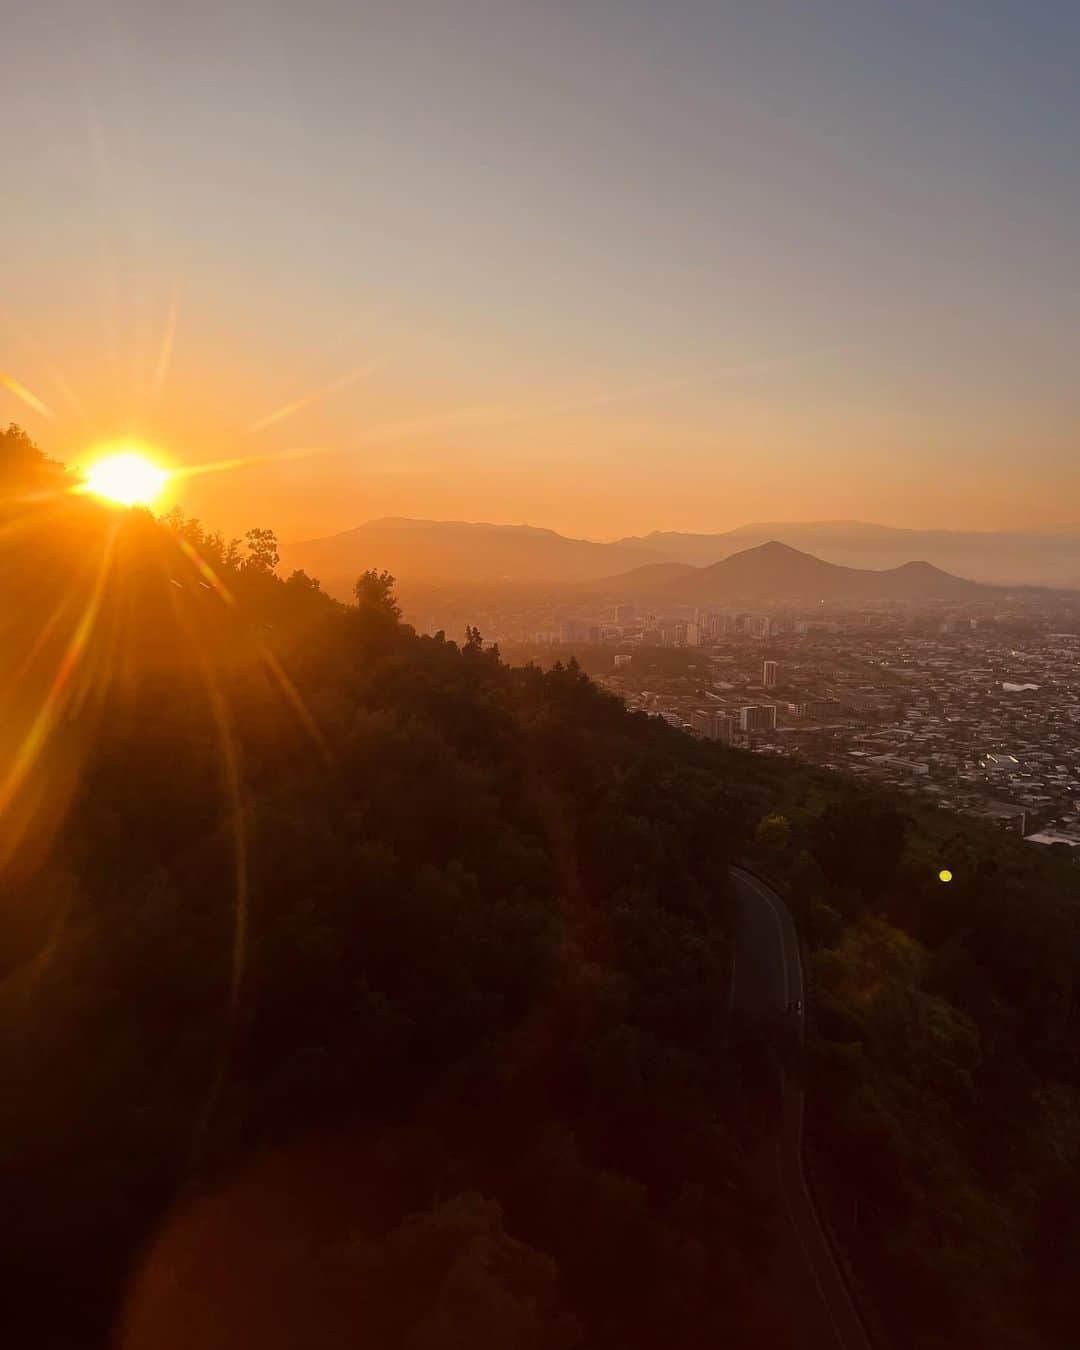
x=775 y=571
x=456 y=551
x=460 y=551
x=999 y=557
x=653 y=578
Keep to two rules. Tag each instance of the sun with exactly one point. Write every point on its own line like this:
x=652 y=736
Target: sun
x=127 y=477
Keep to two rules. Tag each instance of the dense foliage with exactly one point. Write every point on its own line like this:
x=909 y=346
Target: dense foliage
x=944 y=1057
x=357 y=989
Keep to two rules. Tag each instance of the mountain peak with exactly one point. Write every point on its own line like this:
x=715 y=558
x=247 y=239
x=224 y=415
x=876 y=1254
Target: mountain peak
x=776 y=571
x=920 y=566
x=777 y=549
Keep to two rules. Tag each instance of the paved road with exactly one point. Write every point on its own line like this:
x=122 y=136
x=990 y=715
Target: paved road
x=809 y=1289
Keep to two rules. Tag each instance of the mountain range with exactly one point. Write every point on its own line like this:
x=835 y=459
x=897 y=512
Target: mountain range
x=1050 y=558
x=459 y=551
x=775 y=571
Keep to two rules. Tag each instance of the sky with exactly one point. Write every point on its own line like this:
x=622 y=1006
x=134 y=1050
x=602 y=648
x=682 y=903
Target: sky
x=605 y=266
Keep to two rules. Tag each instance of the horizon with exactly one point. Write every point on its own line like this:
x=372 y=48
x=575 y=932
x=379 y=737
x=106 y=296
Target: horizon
x=1048 y=532
x=466 y=262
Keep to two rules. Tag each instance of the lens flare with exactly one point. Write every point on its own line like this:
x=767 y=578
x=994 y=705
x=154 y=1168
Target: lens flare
x=12 y=385
x=127 y=477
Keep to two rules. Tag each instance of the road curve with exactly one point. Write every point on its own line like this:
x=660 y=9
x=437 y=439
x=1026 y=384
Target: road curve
x=768 y=979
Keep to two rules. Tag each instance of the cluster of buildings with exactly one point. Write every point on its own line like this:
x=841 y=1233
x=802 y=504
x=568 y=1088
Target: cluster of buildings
x=982 y=716
x=720 y=724
x=626 y=624
x=975 y=704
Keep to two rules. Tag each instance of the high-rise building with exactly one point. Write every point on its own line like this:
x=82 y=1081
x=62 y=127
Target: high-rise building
x=822 y=707
x=569 y=630
x=701 y=722
x=693 y=634
x=713 y=724
x=624 y=613
x=769 y=671
x=723 y=727
x=758 y=717
x=674 y=635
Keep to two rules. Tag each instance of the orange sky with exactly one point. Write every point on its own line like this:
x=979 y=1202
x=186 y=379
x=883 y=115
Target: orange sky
x=395 y=435
x=592 y=272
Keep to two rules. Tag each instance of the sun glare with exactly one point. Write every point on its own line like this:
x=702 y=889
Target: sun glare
x=127 y=477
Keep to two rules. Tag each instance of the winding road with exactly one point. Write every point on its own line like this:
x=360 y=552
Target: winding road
x=810 y=1290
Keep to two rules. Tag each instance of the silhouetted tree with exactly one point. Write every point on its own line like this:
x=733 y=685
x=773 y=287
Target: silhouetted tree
x=24 y=468
x=262 y=548
x=300 y=581
x=374 y=591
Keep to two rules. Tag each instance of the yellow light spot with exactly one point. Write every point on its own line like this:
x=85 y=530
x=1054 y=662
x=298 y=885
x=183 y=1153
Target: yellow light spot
x=127 y=477
x=944 y=875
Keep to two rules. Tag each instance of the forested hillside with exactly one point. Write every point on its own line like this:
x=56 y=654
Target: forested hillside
x=943 y=1066
x=357 y=989
x=361 y=990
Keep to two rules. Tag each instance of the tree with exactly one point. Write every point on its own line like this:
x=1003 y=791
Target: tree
x=453 y=1276
x=300 y=581
x=773 y=833
x=262 y=550
x=23 y=467
x=858 y=843
x=374 y=591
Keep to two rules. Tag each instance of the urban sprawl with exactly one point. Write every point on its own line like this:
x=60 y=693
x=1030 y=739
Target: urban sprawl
x=978 y=707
